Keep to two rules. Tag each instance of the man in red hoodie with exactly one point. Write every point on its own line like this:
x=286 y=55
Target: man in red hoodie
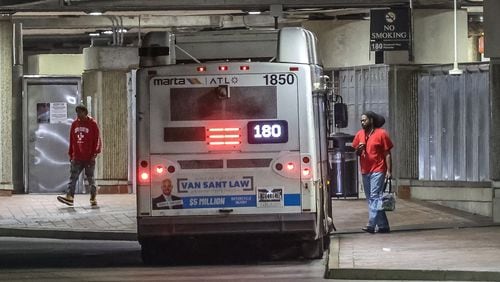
x=84 y=145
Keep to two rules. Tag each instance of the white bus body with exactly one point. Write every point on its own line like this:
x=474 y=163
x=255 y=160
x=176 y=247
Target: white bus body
x=243 y=144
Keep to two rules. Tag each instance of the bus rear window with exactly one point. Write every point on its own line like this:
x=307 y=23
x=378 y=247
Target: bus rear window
x=232 y=103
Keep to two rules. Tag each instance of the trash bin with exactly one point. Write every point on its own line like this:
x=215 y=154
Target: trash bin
x=343 y=166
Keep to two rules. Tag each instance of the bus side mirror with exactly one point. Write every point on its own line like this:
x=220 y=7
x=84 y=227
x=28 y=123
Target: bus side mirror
x=340 y=115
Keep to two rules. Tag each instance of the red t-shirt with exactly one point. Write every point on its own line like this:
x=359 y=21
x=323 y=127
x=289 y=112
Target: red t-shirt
x=378 y=144
x=84 y=140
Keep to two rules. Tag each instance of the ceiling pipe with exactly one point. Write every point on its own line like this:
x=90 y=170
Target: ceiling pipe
x=121 y=31
x=111 y=18
x=455 y=70
x=411 y=53
x=139 y=39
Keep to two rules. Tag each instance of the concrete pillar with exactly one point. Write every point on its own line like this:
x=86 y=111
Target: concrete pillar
x=433 y=37
x=6 y=31
x=55 y=64
x=105 y=93
x=496 y=201
x=345 y=43
x=17 y=111
x=492 y=50
x=495 y=117
x=495 y=134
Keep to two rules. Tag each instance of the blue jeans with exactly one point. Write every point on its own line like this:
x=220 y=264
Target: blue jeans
x=373 y=184
x=76 y=169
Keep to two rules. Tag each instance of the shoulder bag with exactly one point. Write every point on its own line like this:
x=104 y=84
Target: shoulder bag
x=388 y=200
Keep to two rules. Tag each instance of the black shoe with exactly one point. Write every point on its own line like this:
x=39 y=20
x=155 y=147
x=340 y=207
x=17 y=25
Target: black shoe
x=368 y=229
x=68 y=200
x=384 y=230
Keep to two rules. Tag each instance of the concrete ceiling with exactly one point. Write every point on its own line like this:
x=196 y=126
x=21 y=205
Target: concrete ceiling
x=145 y=5
x=54 y=26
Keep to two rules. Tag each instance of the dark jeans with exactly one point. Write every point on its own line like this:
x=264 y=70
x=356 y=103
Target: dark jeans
x=76 y=169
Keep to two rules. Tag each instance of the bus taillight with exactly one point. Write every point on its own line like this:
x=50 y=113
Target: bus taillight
x=244 y=68
x=201 y=69
x=224 y=136
x=171 y=169
x=223 y=68
x=160 y=169
x=143 y=172
x=144 y=176
x=290 y=166
x=306 y=171
x=219 y=129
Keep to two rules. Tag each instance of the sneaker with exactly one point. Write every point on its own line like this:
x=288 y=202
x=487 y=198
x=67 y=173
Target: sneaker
x=368 y=229
x=93 y=201
x=68 y=200
x=384 y=230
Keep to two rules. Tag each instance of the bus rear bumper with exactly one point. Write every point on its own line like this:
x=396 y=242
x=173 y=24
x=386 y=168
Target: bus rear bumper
x=303 y=226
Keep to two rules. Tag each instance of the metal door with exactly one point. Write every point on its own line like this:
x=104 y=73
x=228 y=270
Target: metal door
x=49 y=109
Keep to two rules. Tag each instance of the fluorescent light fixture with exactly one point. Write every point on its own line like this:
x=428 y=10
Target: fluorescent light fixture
x=122 y=30
x=94 y=34
x=254 y=12
x=107 y=32
x=95 y=13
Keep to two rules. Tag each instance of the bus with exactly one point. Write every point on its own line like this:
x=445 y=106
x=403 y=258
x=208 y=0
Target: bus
x=231 y=143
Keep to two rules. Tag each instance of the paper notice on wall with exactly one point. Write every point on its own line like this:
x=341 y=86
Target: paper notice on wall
x=58 y=112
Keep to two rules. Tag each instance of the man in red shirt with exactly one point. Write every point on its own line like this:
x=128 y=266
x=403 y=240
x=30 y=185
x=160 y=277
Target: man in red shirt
x=84 y=145
x=373 y=146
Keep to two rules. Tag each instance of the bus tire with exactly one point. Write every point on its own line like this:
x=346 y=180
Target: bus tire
x=152 y=253
x=149 y=255
x=313 y=249
x=146 y=256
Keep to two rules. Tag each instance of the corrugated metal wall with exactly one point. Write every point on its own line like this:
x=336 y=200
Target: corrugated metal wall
x=403 y=114
x=438 y=123
x=391 y=92
x=114 y=122
x=6 y=104
x=109 y=107
x=454 y=125
x=364 y=89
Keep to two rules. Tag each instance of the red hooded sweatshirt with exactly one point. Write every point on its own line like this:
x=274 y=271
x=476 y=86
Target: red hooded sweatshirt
x=84 y=140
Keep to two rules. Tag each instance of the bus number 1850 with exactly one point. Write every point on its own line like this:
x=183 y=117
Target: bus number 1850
x=279 y=79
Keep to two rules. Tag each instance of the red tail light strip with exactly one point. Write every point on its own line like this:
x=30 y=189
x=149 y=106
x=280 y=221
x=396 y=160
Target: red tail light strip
x=224 y=136
x=224 y=129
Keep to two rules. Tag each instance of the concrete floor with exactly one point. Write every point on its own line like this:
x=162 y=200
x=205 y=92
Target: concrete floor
x=428 y=242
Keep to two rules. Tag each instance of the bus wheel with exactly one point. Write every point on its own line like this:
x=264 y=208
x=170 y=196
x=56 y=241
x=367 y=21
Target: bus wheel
x=153 y=253
x=313 y=249
x=149 y=254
